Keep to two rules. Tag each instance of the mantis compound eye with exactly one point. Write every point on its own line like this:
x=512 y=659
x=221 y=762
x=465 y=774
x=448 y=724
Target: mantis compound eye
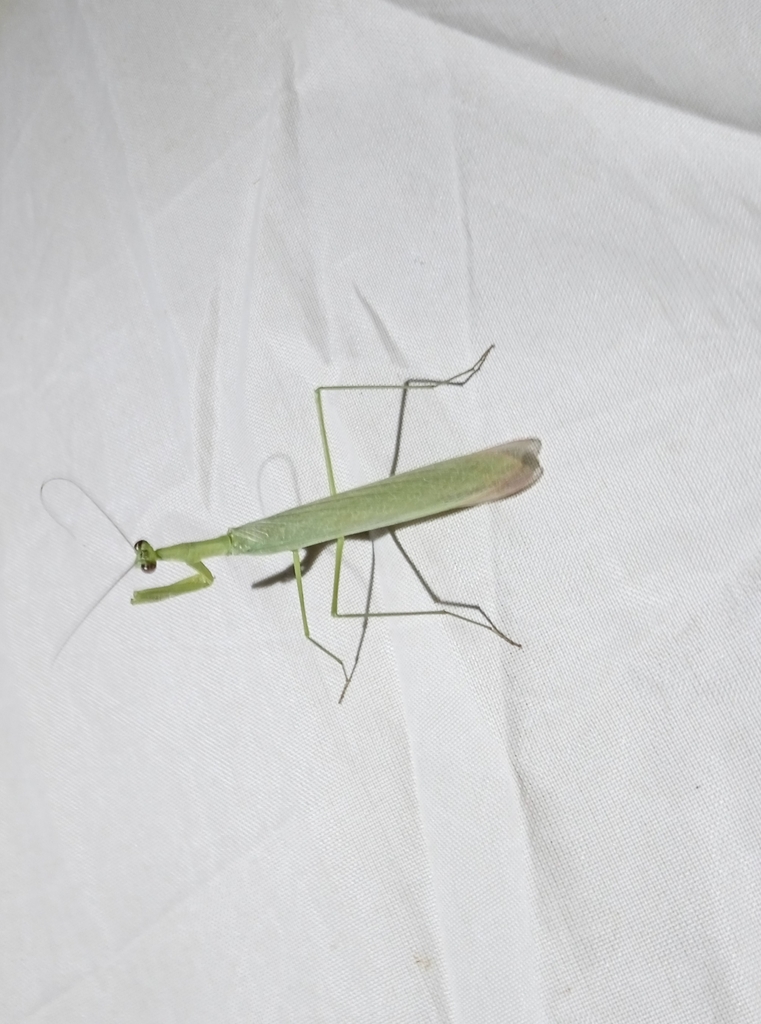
x=146 y=561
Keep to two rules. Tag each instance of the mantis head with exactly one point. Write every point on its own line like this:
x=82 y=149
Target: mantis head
x=145 y=556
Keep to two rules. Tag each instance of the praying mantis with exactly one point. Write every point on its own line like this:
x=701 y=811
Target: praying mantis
x=443 y=487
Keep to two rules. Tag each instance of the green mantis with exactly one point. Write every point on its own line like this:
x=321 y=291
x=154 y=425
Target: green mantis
x=433 y=490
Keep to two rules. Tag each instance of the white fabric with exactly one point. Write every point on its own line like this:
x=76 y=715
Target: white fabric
x=207 y=211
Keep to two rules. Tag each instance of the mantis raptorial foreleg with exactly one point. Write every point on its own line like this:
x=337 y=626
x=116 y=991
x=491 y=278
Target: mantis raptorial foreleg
x=202 y=579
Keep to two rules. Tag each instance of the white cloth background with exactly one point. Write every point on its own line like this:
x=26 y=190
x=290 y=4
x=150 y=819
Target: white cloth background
x=208 y=209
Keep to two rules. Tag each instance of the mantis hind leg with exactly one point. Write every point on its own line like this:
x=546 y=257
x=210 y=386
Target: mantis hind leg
x=484 y=622
x=457 y=380
x=411 y=384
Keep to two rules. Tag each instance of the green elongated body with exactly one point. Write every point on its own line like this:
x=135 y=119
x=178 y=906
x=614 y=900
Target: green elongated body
x=474 y=479
x=469 y=480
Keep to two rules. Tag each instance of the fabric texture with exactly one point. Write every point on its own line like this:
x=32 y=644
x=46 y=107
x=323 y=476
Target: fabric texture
x=209 y=210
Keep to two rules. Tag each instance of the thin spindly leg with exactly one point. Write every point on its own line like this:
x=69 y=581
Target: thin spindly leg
x=367 y=614
x=487 y=624
x=412 y=383
x=458 y=380
x=302 y=604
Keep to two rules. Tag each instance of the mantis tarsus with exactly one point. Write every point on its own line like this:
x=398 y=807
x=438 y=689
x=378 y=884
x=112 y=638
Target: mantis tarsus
x=419 y=494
